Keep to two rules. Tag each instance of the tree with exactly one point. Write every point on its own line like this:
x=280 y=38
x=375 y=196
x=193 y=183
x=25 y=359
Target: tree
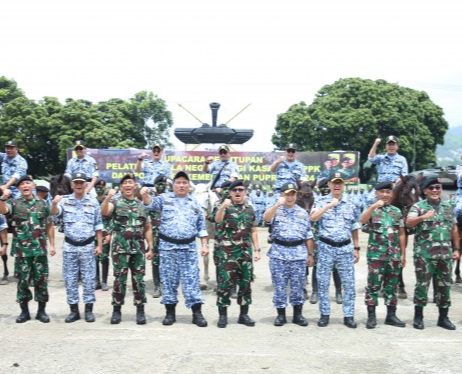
x=8 y=91
x=352 y=112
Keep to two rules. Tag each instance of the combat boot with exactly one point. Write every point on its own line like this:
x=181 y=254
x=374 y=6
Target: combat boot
x=418 y=318
x=391 y=318
x=170 y=318
x=116 y=314
x=25 y=315
x=338 y=296
x=74 y=315
x=244 y=318
x=443 y=320
x=281 y=317
x=89 y=316
x=223 y=317
x=298 y=318
x=156 y=279
x=140 y=316
x=371 y=318
x=323 y=321
x=41 y=314
x=349 y=322
x=198 y=319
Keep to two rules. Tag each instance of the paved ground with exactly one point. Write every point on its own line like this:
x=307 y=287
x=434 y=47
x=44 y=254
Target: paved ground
x=100 y=347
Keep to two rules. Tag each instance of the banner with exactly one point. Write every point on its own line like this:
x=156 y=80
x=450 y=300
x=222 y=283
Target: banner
x=254 y=167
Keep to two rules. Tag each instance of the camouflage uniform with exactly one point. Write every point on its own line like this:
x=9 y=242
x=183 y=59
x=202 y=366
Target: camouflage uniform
x=86 y=165
x=29 y=220
x=384 y=255
x=230 y=170
x=153 y=169
x=12 y=167
x=287 y=172
x=259 y=204
x=389 y=168
x=433 y=251
x=128 y=248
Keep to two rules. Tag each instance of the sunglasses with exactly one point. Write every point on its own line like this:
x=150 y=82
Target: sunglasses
x=238 y=190
x=431 y=188
x=223 y=152
x=291 y=150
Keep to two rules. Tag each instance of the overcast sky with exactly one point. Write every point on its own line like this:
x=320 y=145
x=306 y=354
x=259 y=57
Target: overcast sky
x=270 y=54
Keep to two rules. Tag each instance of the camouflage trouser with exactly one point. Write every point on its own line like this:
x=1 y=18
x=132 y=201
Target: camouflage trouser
x=137 y=265
x=425 y=268
x=104 y=256
x=378 y=272
x=259 y=215
x=176 y=265
x=234 y=268
x=329 y=256
x=155 y=260
x=79 y=261
x=284 y=274
x=37 y=267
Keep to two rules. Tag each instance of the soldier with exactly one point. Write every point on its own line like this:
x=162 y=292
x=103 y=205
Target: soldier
x=44 y=193
x=131 y=225
x=82 y=222
x=386 y=254
x=259 y=204
x=338 y=225
x=157 y=167
x=327 y=169
x=435 y=228
x=85 y=164
x=223 y=169
x=31 y=224
x=14 y=166
x=181 y=221
x=290 y=253
x=103 y=258
x=347 y=168
x=390 y=165
x=287 y=168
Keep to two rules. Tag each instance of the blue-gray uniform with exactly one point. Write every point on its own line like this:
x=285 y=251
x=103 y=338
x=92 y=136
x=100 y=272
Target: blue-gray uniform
x=86 y=165
x=335 y=247
x=12 y=167
x=181 y=222
x=459 y=183
x=270 y=201
x=389 y=167
x=81 y=218
x=288 y=254
x=3 y=224
x=289 y=172
x=229 y=169
x=259 y=205
x=153 y=169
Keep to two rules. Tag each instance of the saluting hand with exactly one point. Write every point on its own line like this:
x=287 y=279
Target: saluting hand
x=227 y=203
x=281 y=201
x=6 y=192
x=143 y=155
x=379 y=204
x=144 y=191
x=111 y=193
x=377 y=141
x=57 y=199
x=281 y=159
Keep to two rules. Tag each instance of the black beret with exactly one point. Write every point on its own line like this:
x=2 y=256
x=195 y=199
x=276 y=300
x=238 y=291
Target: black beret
x=24 y=178
x=100 y=182
x=429 y=181
x=323 y=182
x=128 y=176
x=42 y=189
x=384 y=186
x=225 y=184
x=237 y=183
x=160 y=179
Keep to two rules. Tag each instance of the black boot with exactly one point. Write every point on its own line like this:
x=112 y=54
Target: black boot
x=74 y=315
x=349 y=322
x=140 y=316
x=223 y=317
x=25 y=315
x=298 y=318
x=156 y=279
x=281 y=317
x=443 y=320
x=391 y=318
x=89 y=316
x=105 y=266
x=198 y=319
x=244 y=318
x=323 y=321
x=371 y=318
x=170 y=318
x=116 y=314
x=41 y=315
x=418 y=318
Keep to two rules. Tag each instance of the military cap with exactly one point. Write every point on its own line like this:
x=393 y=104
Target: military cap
x=79 y=177
x=100 y=182
x=336 y=176
x=383 y=186
x=288 y=187
x=181 y=174
x=323 y=182
x=237 y=183
x=223 y=147
x=11 y=143
x=160 y=179
x=429 y=181
x=23 y=179
x=392 y=139
x=157 y=146
x=128 y=176
x=291 y=146
x=79 y=144
x=42 y=189
x=225 y=184
x=328 y=158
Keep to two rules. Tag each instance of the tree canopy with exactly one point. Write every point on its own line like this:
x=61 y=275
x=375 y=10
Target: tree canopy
x=350 y=113
x=45 y=129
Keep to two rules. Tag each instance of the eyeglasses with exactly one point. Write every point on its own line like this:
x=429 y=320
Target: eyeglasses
x=156 y=151
x=223 y=152
x=431 y=188
x=291 y=150
x=238 y=190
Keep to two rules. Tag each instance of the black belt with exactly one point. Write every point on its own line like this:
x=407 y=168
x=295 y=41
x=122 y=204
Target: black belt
x=148 y=185
x=176 y=241
x=335 y=244
x=79 y=244
x=288 y=244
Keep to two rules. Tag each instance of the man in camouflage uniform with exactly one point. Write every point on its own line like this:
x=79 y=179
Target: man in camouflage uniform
x=287 y=168
x=32 y=224
x=157 y=167
x=83 y=163
x=435 y=228
x=131 y=225
x=181 y=222
x=386 y=254
x=290 y=253
x=82 y=223
x=103 y=258
x=235 y=259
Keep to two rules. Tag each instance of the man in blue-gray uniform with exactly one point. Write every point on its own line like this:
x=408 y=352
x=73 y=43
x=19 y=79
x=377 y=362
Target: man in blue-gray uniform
x=259 y=203
x=157 y=167
x=290 y=253
x=13 y=167
x=287 y=168
x=181 y=222
x=223 y=169
x=389 y=165
x=83 y=163
x=338 y=227
x=82 y=222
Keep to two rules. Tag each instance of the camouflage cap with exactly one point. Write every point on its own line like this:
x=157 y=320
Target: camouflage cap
x=223 y=147
x=11 y=143
x=392 y=139
x=157 y=146
x=79 y=144
x=291 y=146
